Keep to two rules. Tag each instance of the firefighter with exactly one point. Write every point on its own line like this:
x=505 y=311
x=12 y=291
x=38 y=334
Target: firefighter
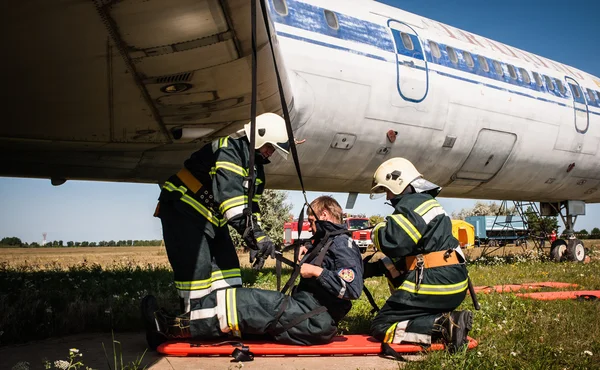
x=424 y=264
x=331 y=271
x=210 y=192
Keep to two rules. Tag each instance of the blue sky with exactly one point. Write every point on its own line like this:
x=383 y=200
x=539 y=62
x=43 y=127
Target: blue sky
x=564 y=31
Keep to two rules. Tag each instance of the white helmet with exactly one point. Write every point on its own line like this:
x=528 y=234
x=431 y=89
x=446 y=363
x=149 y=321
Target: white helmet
x=395 y=175
x=270 y=129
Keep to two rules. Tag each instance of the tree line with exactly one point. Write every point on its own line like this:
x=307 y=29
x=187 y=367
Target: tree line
x=16 y=242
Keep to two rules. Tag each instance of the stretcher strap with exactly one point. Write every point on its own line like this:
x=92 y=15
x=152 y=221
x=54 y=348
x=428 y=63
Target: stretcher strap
x=299 y=319
x=242 y=355
x=387 y=350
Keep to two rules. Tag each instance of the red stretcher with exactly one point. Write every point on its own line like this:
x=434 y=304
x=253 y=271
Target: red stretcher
x=584 y=295
x=357 y=345
x=524 y=286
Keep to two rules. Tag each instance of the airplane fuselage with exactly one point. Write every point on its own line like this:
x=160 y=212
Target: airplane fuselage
x=480 y=118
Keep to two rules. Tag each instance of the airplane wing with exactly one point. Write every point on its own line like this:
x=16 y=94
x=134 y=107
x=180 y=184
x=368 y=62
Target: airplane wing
x=102 y=89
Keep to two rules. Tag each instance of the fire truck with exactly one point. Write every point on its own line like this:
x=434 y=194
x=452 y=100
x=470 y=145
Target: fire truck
x=354 y=224
x=362 y=238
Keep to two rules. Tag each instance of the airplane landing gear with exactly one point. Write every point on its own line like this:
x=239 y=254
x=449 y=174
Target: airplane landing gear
x=571 y=249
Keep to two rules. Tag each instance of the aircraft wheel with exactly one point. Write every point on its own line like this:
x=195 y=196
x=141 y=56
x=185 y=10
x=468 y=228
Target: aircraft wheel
x=493 y=243
x=558 y=250
x=524 y=244
x=576 y=250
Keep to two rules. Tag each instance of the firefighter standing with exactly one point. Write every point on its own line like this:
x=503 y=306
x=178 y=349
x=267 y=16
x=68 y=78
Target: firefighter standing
x=424 y=263
x=331 y=271
x=209 y=193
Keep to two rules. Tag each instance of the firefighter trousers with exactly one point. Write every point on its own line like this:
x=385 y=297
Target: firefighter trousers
x=250 y=313
x=397 y=322
x=201 y=254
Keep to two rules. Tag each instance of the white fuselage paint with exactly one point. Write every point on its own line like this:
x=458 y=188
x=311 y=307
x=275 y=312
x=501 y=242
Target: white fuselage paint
x=511 y=142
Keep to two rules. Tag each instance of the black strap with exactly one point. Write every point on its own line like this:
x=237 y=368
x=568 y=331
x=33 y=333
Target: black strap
x=278 y=271
x=319 y=260
x=298 y=320
x=387 y=350
x=242 y=355
x=284 y=107
x=252 y=138
x=308 y=257
x=371 y=300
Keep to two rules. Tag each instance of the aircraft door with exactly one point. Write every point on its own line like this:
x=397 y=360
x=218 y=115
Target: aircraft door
x=580 y=107
x=489 y=153
x=411 y=66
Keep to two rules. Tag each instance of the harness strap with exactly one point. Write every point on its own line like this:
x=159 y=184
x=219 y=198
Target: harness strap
x=370 y=299
x=319 y=260
x=299 y=319
x=248 y=210
x=189 y=180
x=308 y=257
x=431 y=259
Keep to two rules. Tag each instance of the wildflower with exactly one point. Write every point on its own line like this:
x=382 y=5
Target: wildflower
x=61 y=364
x=589 y=353
x=73 y=350
x=49 y=310
x=513 y=354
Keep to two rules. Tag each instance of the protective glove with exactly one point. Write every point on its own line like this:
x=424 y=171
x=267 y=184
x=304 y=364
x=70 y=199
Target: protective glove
x=261 y=247
x=372 y=269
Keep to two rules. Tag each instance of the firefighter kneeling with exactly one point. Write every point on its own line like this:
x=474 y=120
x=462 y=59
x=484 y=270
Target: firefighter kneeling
x=423 y=263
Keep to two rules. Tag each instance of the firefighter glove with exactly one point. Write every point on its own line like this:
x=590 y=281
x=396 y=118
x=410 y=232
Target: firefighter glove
x=261 y=247
x=372 y=269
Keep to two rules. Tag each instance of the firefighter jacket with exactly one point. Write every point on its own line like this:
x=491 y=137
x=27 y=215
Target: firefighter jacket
x=217 y=189
x=341 y=279
x=418 y=226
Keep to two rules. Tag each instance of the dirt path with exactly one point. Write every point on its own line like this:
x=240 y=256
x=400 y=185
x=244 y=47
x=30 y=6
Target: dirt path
x=134 y=344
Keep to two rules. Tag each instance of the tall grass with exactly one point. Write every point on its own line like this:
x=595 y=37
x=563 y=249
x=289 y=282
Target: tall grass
x=513 y=333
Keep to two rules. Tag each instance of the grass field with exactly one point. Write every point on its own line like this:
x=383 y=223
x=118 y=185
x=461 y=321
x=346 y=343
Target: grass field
x=79 y=290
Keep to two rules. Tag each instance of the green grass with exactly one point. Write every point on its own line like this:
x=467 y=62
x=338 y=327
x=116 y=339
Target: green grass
x=513 y=333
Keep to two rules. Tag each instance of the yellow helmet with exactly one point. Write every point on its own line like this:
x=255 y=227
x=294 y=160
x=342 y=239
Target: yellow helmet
x=270 y=129
x=395 y=174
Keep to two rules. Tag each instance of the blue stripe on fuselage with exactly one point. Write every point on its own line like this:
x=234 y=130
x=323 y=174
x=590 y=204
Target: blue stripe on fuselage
x=312 y=18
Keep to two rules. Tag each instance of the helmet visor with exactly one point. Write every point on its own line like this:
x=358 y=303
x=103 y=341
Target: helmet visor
x=282 y=149
x=377 y=191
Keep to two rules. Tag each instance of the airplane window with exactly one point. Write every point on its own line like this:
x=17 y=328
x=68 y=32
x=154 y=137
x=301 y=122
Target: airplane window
x=435 y=49
x=575 y=91
x=280 y=7
x=525 y=76
x=452 y=54
x=468 y=59
x=331 y=19
x=592 y=98
x=406 y=41
x=498 y=68
x=561 y=87
x=512 y=72
x=537 y=78
x=549 y=83
x=483 y=63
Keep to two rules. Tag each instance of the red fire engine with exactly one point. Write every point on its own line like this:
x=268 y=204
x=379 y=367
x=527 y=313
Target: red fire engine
x=362 y=238
x=290 y=231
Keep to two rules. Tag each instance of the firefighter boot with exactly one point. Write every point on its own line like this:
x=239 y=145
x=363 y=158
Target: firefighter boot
x=453 y=328
x=159 y=326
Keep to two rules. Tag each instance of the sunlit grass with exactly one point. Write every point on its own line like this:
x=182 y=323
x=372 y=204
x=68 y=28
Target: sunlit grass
x=513 y=333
